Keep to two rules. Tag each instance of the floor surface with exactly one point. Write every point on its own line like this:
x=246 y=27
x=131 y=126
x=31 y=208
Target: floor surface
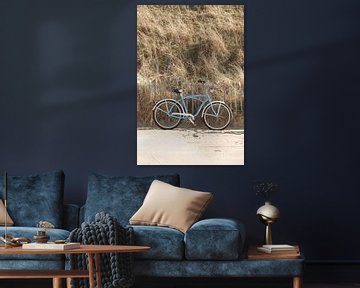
x=251 y=284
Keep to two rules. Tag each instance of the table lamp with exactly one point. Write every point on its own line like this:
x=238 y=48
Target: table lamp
x=268 y=214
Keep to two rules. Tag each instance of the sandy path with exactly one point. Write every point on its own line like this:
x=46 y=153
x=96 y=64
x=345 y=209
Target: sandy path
x=190 y=147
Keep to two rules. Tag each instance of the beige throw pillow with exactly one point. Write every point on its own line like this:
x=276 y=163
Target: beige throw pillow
x=9 y=221
x=170 y=206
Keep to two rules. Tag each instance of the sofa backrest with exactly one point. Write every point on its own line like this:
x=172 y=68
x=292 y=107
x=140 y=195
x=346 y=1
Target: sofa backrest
x=70 y=219
x=35 y=198
x=119 y=196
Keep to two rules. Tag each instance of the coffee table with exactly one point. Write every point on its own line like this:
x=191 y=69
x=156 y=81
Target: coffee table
x=94 y=267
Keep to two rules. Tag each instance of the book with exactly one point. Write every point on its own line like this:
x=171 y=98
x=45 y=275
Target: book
x=51 y=246
x=278 y=249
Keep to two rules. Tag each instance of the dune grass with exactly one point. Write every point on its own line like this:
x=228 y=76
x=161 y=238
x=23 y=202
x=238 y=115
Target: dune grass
x=180 y=44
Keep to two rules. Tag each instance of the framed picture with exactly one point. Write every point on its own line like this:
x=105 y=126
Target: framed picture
x=190 y=85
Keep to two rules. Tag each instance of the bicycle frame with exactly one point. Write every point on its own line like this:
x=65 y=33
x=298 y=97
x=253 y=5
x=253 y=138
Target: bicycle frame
x=203 y=98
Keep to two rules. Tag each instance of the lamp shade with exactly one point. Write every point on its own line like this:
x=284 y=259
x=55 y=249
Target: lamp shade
x=269 y=211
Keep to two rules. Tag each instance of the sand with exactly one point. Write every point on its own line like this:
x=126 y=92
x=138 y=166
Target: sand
x=190 y=147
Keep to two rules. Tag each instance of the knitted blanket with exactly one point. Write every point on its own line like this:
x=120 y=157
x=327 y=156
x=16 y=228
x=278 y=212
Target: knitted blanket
x=116 y=268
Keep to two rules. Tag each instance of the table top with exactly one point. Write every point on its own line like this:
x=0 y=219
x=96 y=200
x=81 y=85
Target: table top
x=91 y=249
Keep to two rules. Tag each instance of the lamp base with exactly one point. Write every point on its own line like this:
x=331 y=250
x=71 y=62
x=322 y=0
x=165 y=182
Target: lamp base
x=268 y=237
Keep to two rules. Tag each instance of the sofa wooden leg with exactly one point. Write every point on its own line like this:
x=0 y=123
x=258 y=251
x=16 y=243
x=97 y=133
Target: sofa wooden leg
x=57 y=283
x=68 y=282
x=297 y=282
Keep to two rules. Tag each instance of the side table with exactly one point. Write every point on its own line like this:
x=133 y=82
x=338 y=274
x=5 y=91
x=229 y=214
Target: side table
x=288 y=259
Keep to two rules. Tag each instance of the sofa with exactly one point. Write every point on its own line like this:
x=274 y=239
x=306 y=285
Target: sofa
x=32 y=199
x=209 y=248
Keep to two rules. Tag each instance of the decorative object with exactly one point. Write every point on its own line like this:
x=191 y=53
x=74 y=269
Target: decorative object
x=41 y=236
x=60 y=241
x=45 y=225
x=268 y=213
x=170 y=206
x=213 y=52
x=265 y=189
x=5 y=215
x=11 y=241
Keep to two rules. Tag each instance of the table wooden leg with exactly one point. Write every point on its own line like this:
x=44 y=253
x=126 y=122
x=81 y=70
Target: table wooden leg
x=57 y=283
x=91 y=270
x=68 y=282
x=297 y=282
x=98 y=270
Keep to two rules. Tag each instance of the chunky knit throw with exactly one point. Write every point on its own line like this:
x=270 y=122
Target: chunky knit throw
x=116 y=268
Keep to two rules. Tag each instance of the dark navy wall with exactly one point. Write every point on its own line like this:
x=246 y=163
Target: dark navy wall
x=68 y=101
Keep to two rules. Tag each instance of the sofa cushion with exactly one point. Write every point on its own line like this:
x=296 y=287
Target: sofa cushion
x=119 y=196
x=9 y=221
x=214 y=239
x=165 y=243
x=169 y=206
x=29 y=232
x=35 y=198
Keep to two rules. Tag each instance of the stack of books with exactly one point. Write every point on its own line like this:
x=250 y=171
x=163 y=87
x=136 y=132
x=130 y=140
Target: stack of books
x=279 y=249
x=273 y=252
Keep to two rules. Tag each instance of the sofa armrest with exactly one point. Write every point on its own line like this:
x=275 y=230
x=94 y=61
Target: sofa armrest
x=215 y=239
x=71 y=216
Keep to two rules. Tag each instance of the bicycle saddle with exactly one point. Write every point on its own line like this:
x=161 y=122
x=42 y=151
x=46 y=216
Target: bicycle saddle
x=179 y=91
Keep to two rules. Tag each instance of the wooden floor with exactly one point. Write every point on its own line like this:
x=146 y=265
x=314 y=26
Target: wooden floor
x=45 y=283
x=339 y=285
x=255 y=284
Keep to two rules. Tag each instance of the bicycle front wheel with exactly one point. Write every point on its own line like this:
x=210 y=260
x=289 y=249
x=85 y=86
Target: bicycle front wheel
x=167 y=114
x=217 y=116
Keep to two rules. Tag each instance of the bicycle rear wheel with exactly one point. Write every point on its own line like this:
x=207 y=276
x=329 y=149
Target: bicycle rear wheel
x=163 y=114
x=217 y=116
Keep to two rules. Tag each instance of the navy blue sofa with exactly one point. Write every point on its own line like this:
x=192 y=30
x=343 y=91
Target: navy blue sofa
x=32 y=199
x=210 y=248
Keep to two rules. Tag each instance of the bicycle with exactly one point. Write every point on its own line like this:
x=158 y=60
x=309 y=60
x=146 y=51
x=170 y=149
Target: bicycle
x=168 y=113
